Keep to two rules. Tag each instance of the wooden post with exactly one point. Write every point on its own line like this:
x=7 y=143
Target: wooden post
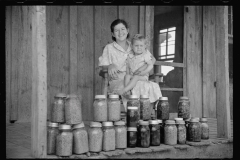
x=39 y=83
x=222 y=84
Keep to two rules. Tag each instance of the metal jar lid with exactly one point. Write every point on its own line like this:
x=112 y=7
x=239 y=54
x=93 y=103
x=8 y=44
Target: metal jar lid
x=159 y=121
x=133 y=97
x=80 y=125
x=143 y=123
x=119 y=123
x=194 y=120
x=132 y=129
x=169 y=122
x=133 y=107
x=52 y=124
x=153 y=121
x=107 y=123
x=184 y=97
x=100 y=97
x=163 y=98
x=64 y=127
x=203 y=120
x=144 y=96
x=60 y=95
x=178 y=119
x=113 y=96
x=180 y=122
x=95 y=124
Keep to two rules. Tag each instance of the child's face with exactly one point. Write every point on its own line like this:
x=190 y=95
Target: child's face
x=138 y=47
x=120 y=32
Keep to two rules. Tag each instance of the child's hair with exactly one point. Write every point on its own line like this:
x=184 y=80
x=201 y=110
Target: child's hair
x=116 y=22
x=140 y=37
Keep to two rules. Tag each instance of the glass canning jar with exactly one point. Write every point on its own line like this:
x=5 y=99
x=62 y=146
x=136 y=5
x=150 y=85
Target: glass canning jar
x=100 y=109
x=204 y=128
x=194 y=130
x=145 y=134
x=131 y=137
x=73 y=109
x=181 y=132
x=154 y=132
x=64 y=141
x=108 y=136
x=163 y=108
x=145 y=108
x=58 y=107
x=133 y=101
x=184 y=107
x=52 y=133
x=120 y=134
x=80 y=139
x=132 y=116
x=95 y=137
x=114 y=108
x=170 y=132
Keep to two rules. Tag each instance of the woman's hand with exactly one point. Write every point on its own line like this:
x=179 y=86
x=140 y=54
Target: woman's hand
x=113 y=71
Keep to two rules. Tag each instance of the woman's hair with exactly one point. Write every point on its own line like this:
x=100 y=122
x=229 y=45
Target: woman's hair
x=116 y=22
x=140 y=37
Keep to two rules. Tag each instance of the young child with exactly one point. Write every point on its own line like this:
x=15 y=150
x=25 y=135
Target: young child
x=136 y=68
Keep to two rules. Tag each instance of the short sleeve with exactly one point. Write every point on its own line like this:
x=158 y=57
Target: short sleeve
x=147 y=56
x=105 y=59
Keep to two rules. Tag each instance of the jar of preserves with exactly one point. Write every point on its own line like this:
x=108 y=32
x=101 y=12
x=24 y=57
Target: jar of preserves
x=80 y=139
x=131 y=137
x=120 y=134
x=132 y=116
x=133 y=101
x=154 y=133
x=145 y=108
x=114 y=108
x=100 y=109
x=194 y=129
x=108 y=136
x=204 y=128
x=163 y=108
x=52 y=133
x=73 y=109
x=181 y=132
x=64 y=141
x=184 y=107
x=58 y=107
x=95 y=137
x=145 y=134
x=161 y=126
x=170 y=132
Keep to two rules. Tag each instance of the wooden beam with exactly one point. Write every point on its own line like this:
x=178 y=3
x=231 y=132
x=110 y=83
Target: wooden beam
x=222 y=87
x=39 y=83
x=169 y=64
x=149 y=26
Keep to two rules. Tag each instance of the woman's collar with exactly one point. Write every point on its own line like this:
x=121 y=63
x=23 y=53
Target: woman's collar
x=115 y=44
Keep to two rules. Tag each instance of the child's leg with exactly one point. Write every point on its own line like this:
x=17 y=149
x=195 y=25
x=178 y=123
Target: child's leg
x=127 y=79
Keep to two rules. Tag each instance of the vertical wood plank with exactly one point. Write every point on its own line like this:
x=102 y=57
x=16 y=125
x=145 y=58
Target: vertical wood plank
x=223 y=104
x=149 y=26
x=8 y=38
x=209 y=62
x=141 y=23
x=14 y=62
x=39 y=83
x=103 y=17
x=193 y=31
x=130 y=14
x=73 y=50
x=58 y=53
x=86 y=59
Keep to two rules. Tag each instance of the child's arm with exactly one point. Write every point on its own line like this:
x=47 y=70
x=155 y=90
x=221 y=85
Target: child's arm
x=147 y=69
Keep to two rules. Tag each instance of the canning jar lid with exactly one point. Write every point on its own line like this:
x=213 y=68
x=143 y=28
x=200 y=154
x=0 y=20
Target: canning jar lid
x=133 y=97
x=203 y=120
x=194 y=120
x=52 y=124
x=144 y=96
x=132 y=129
x=178 y=119
x=107 y=123
x=143 y=122
x=113 y=96
x=64 y=127
x=80 y=125
x=184 y=97
x=119 y=123
x=180 y=122
x=100 y=97
x=163 y=98
x=169 y=122
x=95 y=124
x=61 y=95
x=159 y=121
x=132 y=107
x=153 y=121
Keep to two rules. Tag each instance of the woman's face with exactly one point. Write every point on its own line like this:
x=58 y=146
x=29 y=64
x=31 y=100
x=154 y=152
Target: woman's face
x=138 y=46
x=120 y=32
